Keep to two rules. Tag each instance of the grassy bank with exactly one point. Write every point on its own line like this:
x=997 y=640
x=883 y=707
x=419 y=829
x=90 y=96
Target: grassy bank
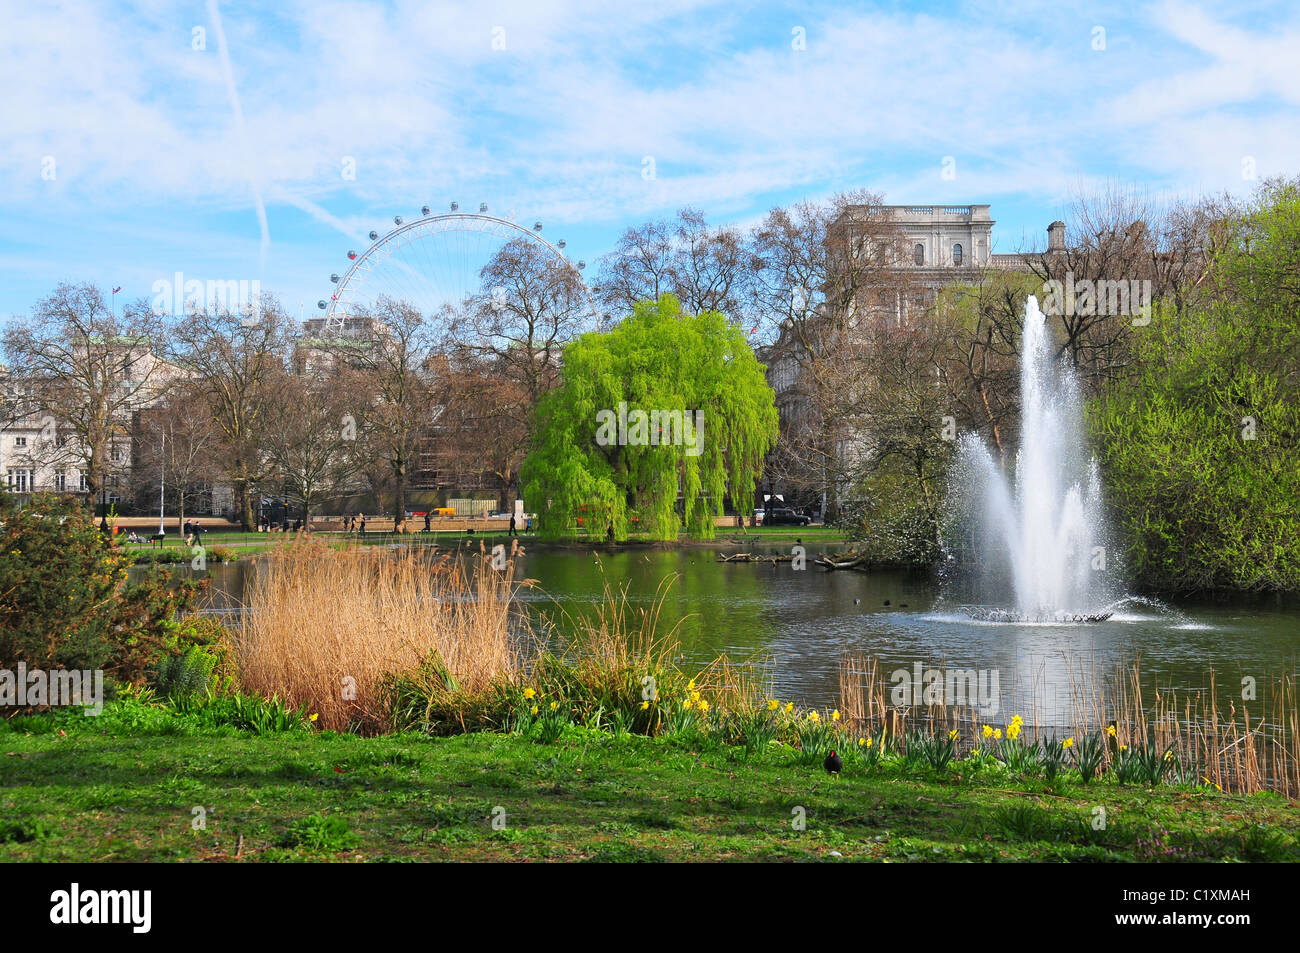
x=116 y=789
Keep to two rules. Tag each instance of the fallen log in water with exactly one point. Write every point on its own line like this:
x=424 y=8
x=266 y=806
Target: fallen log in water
x=753 y=558
x=849 y=560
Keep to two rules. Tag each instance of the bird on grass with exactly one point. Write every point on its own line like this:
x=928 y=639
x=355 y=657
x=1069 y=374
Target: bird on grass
x=833 y=763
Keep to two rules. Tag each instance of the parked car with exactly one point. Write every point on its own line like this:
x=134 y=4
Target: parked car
x=785 y=517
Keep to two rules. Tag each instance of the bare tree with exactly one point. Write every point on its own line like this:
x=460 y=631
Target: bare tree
x=529 y=308
x=707 y=267
x=235 y=359
x=311 y=436
x=176 y=448
x=823 y=271
x=391 y=377
x=85 y=370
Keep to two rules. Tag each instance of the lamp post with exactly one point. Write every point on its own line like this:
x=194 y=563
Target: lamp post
x=162 y=484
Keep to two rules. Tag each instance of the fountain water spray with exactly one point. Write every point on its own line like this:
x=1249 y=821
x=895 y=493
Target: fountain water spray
x=1047 y=529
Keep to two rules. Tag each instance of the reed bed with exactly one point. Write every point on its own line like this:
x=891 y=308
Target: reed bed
x=1235 y=745
x=327 y=628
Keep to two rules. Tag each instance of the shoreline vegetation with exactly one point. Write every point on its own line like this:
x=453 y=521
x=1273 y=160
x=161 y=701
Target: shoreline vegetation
x=416 y=680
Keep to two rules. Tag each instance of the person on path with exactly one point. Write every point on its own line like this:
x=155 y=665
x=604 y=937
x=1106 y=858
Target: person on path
x=512 y=525
x=197 y=529
x=361 y=524
x=188 y=531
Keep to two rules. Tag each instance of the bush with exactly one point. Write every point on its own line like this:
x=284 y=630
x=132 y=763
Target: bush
x=64 y=598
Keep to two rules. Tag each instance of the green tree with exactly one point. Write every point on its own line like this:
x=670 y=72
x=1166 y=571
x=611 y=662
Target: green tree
x=709 y=420
x=1201 y=452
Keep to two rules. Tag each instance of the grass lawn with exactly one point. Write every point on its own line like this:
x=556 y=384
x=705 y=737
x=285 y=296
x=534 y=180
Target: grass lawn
x=110 y=792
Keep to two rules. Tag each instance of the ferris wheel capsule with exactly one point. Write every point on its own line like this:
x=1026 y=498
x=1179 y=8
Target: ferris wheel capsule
x=321 y=304
x=537 y=226
x=482 y=206
x=455 y=206
x=561 y=243
x=334 y=279
x=581 y=264
x=374 y=235
x=424 y=210
x=352 y=255
x=397 y=220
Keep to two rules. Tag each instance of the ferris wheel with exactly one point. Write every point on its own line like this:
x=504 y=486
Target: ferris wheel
x=436 y=261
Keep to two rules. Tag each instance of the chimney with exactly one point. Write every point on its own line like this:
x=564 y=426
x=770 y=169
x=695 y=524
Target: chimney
x=1056 y=236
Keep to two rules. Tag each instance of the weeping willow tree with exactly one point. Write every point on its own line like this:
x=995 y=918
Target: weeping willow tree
x=662 y=403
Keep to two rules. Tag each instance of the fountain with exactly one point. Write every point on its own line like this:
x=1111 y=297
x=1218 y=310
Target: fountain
x=1045 y=532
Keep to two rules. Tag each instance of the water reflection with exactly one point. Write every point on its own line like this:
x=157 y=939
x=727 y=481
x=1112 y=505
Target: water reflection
x=805 y=621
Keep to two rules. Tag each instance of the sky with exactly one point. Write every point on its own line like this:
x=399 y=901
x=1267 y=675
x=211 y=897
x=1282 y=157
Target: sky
x=231 y=141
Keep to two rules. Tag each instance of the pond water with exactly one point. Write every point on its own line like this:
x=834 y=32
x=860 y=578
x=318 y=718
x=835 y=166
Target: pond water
x=803 y=622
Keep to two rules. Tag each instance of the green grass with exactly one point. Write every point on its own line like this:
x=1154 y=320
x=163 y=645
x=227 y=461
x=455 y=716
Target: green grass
x=124 y=788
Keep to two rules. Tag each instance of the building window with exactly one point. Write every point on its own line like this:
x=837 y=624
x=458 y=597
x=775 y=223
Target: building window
x=19 y=481
x=956 y=255
x=82 y=484
x=20 y=441
x=117 y=454
x=60 y=481
x=918 y=254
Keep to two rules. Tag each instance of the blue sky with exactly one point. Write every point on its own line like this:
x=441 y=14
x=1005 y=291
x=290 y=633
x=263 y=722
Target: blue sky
x=127 y=154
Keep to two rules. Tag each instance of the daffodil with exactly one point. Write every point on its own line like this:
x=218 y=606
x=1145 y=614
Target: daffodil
x=773 y=704
x=814 y=717
x=952 y=735
x=530 y=693
x=988 y=731
x=690 y=686
x=1110 y=730
x=645 y=705
x=314 y=717
x=997 y=733
x=861 y=742
x=1067 y=743
x=695 y=696
x=533 y=710
x=835 y=715
x=1123 y=747
x=688 y=704
x=554 y=705
x=704 y=706
x=789 y=707
x=868 y=742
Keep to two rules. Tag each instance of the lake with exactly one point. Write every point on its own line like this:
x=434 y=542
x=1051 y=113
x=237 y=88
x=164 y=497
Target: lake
x=803 y=622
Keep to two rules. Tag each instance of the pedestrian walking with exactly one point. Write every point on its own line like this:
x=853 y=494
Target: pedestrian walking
x=197 y=529
x=361 y=524
x=188 y=531
x=512 y=525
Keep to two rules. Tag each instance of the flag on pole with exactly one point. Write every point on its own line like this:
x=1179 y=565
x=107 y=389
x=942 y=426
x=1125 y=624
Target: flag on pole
x=117 y=289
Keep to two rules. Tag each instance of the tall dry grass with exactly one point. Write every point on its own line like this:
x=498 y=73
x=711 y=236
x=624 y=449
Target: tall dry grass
x=325 y=627
x=1242 y=749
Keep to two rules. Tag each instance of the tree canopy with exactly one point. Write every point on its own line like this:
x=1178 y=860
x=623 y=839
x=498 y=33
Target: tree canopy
x=664 y=401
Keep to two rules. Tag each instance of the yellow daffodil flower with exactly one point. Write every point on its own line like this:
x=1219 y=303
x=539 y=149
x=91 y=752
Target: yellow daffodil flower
x=529 y=693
